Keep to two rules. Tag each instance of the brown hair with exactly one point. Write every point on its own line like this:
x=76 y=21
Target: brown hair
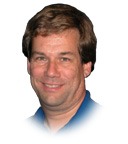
x=55 y=19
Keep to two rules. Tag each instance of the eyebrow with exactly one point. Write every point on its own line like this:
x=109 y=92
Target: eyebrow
x=61 y=53
x=67 y=53
x=38 y=53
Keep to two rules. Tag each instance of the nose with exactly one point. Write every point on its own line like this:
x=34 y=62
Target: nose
x=52 y=69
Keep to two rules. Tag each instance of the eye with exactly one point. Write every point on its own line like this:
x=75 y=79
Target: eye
x=41 y=58
x=64 y=59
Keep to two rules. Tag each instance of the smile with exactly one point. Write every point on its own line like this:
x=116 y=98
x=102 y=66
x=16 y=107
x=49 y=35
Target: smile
x=52 y=86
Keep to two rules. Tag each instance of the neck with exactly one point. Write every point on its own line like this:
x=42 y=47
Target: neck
x=55 y=120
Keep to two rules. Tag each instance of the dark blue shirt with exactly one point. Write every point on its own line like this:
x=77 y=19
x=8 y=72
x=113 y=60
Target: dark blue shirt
x=84 y=112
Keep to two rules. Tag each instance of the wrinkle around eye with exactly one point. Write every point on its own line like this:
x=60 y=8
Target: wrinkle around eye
x=40 y=60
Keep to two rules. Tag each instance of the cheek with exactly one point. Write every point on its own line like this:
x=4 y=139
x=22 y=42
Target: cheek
x=35 y=71
x=72 y=73
x=78 y=74
x=35 y=77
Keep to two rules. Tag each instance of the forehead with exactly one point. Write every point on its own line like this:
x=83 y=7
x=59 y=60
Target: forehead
x=69 y=39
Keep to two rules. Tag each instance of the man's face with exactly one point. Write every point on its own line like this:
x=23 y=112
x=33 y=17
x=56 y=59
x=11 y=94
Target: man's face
x=55 y=69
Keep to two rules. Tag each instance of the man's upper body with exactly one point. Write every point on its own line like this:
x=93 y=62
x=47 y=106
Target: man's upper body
x=60 y=45
x=87 y=109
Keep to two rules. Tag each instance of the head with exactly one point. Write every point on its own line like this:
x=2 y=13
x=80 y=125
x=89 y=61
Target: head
x=56 y=18
x=60 y=45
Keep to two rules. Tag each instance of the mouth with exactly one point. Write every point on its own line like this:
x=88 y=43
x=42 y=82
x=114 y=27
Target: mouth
x=51 y=85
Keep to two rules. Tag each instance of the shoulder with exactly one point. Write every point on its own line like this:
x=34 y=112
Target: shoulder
x=88 y=109
x=88 y=104
x=38 y=117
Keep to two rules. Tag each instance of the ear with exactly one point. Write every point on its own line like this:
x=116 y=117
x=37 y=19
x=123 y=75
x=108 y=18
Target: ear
x=87 y=69
x=28 y=66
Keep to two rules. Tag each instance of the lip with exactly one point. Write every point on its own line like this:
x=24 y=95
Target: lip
x=52 y=87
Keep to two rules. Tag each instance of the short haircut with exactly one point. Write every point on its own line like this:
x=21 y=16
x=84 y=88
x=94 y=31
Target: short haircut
x=56 y=18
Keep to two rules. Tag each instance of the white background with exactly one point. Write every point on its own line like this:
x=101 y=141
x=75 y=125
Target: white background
x=108 y=83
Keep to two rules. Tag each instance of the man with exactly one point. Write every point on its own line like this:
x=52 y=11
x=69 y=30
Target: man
x=60 y=46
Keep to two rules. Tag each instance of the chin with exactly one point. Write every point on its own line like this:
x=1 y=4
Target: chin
x=51 y=101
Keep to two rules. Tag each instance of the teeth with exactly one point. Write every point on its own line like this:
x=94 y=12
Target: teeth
x=51 y=86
